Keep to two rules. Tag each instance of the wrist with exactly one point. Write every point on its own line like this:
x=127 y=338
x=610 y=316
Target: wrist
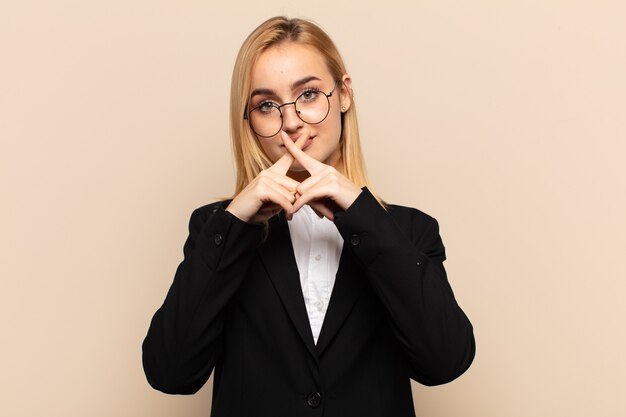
x=233 y=210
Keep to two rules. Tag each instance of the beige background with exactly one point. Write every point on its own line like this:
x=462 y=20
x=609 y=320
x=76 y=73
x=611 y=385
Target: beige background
x=505 y=120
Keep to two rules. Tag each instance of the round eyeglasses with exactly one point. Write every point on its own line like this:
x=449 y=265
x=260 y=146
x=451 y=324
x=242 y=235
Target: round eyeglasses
x=312 y=107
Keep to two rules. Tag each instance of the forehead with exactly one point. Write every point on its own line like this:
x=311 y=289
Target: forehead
x=286 y=63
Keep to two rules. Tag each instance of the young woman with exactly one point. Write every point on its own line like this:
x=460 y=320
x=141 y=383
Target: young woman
x=305 y=294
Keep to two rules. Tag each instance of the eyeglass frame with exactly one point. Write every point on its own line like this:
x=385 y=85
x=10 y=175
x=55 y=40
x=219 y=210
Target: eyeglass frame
x=246 y=113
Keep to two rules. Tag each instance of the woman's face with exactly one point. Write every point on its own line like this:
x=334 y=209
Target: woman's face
x=281 y=75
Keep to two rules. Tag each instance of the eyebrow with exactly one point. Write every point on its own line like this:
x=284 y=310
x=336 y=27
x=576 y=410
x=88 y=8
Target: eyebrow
x=293 y=86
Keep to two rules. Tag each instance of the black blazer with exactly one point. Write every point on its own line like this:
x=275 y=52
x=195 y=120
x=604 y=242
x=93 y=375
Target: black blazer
x=236 y=306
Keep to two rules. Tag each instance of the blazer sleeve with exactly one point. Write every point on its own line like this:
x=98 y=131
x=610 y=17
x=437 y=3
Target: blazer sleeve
x=184 y=338
x=403 y=260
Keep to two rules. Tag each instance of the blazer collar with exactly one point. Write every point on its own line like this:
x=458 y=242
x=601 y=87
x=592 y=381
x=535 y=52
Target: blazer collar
x=276 y=252
x=349 y=283
x=280 y=262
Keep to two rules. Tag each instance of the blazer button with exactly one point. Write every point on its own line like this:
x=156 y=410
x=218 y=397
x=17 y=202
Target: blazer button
x=314 y=399
x=217 y=239
x=355 y=240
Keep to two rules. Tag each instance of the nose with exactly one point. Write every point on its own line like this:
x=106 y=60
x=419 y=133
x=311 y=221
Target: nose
x=291 y=120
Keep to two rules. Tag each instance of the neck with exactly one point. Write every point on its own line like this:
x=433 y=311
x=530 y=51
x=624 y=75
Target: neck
x=298 y=175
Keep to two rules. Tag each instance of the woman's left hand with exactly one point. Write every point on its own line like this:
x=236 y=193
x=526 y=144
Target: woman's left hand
x=326 y=188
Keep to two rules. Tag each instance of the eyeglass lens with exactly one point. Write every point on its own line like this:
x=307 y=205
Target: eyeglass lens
x=312 y=107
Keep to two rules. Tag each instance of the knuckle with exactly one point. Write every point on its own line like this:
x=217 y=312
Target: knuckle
x=261 y=187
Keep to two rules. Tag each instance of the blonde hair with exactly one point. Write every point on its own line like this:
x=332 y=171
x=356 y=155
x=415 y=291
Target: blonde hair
x=250 y=159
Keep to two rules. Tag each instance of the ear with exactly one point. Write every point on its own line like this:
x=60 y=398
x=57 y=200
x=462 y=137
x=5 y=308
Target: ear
x=345 y=93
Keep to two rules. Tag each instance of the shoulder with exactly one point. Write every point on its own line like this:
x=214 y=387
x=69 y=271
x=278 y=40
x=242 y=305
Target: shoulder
x=419 y=225
x=405 y=212
x=410 y=216
x=367 y=215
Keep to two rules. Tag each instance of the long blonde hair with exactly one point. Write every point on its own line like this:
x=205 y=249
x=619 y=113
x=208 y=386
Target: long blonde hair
x=250 y=159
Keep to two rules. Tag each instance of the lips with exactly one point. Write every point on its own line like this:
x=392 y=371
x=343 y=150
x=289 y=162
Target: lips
x=307 y=143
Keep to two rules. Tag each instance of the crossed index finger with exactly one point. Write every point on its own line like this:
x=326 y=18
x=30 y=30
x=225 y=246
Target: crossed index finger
x=308 y=162
x=284 y=163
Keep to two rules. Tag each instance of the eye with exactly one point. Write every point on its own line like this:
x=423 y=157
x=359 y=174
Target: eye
x=266 y=107
x=309 y=95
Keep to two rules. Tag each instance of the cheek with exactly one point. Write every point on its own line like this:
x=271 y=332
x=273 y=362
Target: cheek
x=271 y=149
x=333 y=127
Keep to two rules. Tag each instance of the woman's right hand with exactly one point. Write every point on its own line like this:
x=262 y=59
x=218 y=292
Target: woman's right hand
x=270 y=191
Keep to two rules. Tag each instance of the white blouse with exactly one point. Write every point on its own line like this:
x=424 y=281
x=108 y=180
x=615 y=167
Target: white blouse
x=317 y=247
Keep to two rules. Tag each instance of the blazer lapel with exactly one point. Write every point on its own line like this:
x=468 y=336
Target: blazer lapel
x=279 y=260
x=348 y=286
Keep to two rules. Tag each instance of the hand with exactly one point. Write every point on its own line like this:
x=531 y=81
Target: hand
x=325 y=190
x=270 y=191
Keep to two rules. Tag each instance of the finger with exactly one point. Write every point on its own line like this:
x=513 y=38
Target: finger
x=322 y=210
x=337 y=189
x=302 y=200
x=317 y=213
x=309 y=163
x=268 y=192
x=309 y=189
x=284 y=163
x=290 y=215
x=320 y=192
x=286 y=182
x=305 y=134
x=280 y=200
x=269 y=208
x=309 y=183
x=265 y=214
x=290 y=196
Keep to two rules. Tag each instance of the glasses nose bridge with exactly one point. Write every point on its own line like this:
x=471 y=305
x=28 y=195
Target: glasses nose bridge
x=290 y=121
x=280 y=108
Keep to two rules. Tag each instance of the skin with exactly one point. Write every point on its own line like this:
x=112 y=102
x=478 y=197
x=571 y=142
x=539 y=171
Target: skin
x=307 y=158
